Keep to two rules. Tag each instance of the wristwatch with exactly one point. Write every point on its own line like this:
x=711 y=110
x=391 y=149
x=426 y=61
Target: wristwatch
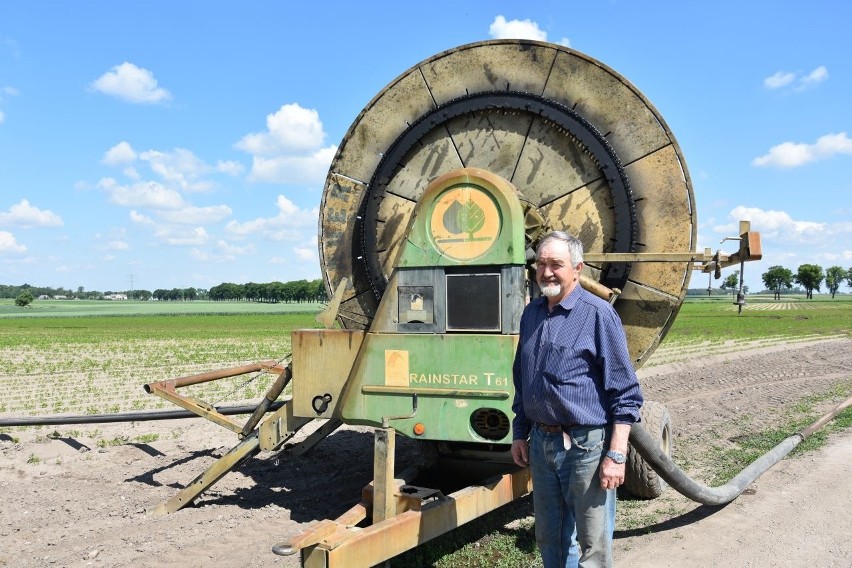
x=617 y=457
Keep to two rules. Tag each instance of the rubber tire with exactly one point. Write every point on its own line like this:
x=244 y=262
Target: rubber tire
x=639 y=479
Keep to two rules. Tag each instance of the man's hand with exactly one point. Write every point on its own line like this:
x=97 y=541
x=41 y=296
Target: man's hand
x=520 y=452
x=612 y=474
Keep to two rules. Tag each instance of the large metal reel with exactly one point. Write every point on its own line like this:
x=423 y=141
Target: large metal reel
x=579 y=141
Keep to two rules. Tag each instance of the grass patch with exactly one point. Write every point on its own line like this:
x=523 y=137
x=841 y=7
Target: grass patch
x=147 y=438
x=716 y=320
x=117 y=441
x=743 y=450
x=497 y=540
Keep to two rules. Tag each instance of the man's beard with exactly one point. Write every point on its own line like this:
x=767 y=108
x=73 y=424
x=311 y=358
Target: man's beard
x=551 y=289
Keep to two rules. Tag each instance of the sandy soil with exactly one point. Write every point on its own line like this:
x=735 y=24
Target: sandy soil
x=69 y=501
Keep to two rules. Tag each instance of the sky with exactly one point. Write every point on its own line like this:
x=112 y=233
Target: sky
x=185 y=144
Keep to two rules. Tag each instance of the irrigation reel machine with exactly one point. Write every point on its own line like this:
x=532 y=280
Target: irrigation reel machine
x=434 y=202
x=432 y=207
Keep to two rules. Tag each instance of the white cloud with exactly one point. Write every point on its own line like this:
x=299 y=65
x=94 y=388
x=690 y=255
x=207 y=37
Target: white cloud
x=291 y=128
x=792 y=154
x=799 y=82
x=307 y=250
x=516 y=29
x=8 y=243
x=141 y=219
x=229 y=167
x=779 y=79
x=290 y=151
x=121 y=153
x=143 y=194
x=180 y=237
x=286 y=226
x=117 y=245
x=310 y=169
x=192 y=215
x=223 y=252
x=234 y=250
x=815 y=77
x=779 y=227
x=25 y=215
x=132 y=84
x=179 y=166
x=6 y=92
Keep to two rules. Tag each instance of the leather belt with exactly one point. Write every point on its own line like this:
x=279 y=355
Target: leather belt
x=553 y=429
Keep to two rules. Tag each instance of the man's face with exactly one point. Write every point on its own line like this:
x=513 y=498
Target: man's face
x=555 y=274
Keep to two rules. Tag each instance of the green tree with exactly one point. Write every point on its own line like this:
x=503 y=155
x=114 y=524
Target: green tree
x=24 y=299
x=778 y=277
x=810 y=276
x=732 y=282
x=834 y=277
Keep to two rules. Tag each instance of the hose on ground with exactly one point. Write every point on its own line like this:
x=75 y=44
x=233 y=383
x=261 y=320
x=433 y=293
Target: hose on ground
x=134 y=416
x=651 y=452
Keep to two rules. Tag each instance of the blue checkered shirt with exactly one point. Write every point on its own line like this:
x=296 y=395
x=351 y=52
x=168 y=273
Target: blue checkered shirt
x=572 y=366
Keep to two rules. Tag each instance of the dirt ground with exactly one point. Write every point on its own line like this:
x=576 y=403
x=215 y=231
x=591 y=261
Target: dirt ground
x=69 y=501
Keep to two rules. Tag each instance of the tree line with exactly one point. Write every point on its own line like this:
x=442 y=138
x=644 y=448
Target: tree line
x=809 y=276
x=272 y=292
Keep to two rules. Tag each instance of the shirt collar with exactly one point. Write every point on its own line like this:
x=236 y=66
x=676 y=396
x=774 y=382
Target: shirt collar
x=569 y=301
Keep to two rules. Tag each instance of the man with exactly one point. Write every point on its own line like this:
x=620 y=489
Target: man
x=576 y=397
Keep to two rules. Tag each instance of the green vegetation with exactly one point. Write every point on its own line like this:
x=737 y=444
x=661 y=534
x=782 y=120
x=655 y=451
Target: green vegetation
x=74 y=308
x=94 y=356
x=24 y=299
x=146 y=438
x=731 y=459
x=94 y=365
x=716 y=319
x=497 y=540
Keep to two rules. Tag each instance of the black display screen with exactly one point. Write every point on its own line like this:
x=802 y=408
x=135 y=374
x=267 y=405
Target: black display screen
x=473 y=302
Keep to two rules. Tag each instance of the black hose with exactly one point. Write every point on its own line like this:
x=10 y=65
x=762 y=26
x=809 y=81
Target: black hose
x=140 y=416
x=651 y=452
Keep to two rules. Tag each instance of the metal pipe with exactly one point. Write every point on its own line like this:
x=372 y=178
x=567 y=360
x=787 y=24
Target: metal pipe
x=271 y=396
x=647 y=447
x=596 y=288
x=140 y=416
x=213 y=375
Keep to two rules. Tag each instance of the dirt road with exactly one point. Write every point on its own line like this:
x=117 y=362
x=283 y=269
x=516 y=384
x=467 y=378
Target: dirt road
x=70 y=498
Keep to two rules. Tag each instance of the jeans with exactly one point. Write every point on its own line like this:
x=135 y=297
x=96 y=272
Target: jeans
x=574 y=517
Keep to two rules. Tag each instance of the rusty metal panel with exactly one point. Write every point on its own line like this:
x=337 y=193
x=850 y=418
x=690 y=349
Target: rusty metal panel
x=317 y=374
x=379 y=124
x=491 y=141
x=395 y=213
x=587 y=214
x=665 y=221
x=608 y=101
x=646 y=315
x=489 y=66
x=552 y=165
x=340 y=203
x=373 y=545
x=433 y=156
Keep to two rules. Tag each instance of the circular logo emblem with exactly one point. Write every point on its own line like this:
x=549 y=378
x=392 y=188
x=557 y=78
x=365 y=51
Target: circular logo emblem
x=465 y=222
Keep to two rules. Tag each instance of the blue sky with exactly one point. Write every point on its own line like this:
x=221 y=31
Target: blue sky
x=176 y=144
